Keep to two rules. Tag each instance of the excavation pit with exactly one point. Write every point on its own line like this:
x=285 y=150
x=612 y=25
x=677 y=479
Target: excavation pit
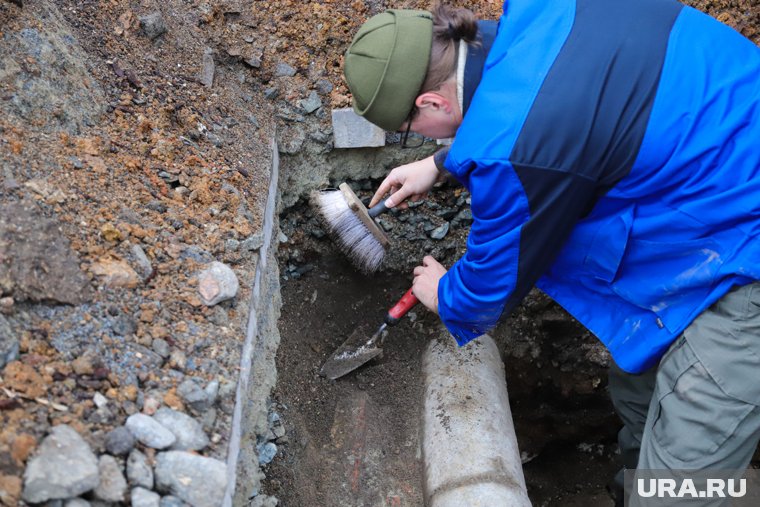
x=356 y=441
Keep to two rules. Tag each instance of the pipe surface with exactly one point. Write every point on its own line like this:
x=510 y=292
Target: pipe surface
x=469 y=444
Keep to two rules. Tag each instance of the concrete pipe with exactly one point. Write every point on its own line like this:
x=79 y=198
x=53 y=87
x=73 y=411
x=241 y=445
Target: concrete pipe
x=469 y=444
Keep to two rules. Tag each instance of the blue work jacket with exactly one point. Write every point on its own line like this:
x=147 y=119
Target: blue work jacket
x=612 y=151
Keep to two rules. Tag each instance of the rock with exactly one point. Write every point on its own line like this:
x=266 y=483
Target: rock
x=462 y=219
x=264 y=501
x=149 y=431
x=253 y=243
x=38 y=261
x=113 y=485
x=195 y=479
x=217 y=283
x=284 y=70
x=99 y=400
x=124 y=325
x=266 y=451
x=8 y=343
x=189 y=433
x=139 y=472
x=161 y=347
x=64 y=467
x=76 y=502
x=115 y=273
x=142 y=497
x=207 y=68
x=119 y=441
x=83 y=365
x=352 y=131
x=195 y=397
x=440 y=232
x=324 y=87
x=153 y=25
x=178 y=359
x=311 y=103
x=144 y=266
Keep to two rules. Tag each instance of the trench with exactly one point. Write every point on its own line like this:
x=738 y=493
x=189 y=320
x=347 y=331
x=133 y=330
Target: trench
x=356 y=441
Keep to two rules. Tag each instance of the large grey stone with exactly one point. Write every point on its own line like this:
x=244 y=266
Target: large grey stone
x=149 y=431
x=64 y=467
x=142 y=497
x=197 y=480
x=189 y=433
x=352 y=131
x=139 y=471
x=113 y=485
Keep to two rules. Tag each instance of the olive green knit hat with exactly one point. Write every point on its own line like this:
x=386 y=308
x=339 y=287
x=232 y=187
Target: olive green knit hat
x=386 y=65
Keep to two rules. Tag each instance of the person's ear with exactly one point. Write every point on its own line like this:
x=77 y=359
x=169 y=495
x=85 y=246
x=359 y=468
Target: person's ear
x=433 y=100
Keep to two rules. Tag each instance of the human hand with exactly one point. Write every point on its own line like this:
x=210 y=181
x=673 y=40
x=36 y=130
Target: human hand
x=425 y=284
x=411 y=181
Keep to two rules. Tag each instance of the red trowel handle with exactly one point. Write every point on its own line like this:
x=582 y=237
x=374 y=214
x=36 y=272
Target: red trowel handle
x=404 y=304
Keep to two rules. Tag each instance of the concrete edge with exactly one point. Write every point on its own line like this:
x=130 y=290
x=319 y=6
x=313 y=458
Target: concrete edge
x=260 y=316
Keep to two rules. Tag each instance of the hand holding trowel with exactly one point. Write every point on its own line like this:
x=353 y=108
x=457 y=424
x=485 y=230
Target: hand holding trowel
x=357 y=349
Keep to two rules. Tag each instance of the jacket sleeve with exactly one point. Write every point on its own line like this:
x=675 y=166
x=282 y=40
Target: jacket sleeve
x=521 y=218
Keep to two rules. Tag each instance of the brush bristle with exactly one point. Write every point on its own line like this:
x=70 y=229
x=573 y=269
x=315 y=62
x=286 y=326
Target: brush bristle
x=358 y=243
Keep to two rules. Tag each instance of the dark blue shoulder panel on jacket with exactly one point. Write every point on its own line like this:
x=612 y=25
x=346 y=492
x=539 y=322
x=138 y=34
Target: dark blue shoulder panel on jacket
x=585 y=127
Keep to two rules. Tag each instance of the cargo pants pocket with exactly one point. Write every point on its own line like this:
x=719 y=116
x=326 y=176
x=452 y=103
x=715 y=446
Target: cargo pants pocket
x=694 y=417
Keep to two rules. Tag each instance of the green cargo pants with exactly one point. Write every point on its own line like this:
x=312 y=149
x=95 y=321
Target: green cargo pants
x=699 y=409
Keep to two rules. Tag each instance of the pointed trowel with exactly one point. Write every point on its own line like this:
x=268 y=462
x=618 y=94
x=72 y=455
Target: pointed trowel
x=357 y=349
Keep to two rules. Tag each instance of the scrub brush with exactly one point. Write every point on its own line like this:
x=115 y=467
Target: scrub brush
x=353 y=227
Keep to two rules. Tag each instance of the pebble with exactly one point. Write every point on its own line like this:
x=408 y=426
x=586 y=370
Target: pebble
x=178 y=359
x=284 y=70
x=149 y=431
x=76 y=502
x=462 y=219
x=440 y=232
x=142 y=497
x=99 y=400
x=217 y=283
x=189 y=432
x=139 y=471
x=64 y=467
x=197 y=480
x=311 y=103
x=83 y=365
x=153 y=25
x=324 y=87
x=144 y=266
x=253 y=243
x=195 y=397
x=161 y=347
x=113 y=485
x=266 y=451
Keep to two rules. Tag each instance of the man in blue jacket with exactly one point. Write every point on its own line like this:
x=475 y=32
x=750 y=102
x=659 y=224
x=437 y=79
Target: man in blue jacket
x=612 y=151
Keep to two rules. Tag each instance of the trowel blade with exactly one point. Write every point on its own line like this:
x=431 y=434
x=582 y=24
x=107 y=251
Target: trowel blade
x=354 y=352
